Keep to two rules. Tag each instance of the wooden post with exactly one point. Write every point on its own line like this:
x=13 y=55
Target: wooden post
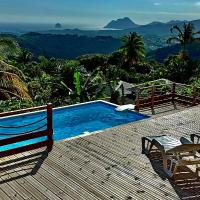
x=173 y=93
x=152 y=96
x=194 y=94
x=123 y=96
x=50 y=125
x=137 y=107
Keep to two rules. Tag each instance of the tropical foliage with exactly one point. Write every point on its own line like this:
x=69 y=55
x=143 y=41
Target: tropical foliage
x=8 y=47
x=27 y=80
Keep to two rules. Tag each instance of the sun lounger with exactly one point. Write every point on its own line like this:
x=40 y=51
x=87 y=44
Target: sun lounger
x=174 y=152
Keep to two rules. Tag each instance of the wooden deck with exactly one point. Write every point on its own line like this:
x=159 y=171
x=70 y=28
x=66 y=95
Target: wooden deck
x=164 y=109
x=108 y=165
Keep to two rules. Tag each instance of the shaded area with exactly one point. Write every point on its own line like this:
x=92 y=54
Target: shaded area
x=21 y=166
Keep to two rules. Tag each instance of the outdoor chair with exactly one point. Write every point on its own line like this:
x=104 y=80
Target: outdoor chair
x=195 y=138
x=175 y=153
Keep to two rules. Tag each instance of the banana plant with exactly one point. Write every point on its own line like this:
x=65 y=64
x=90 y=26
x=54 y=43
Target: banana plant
x=88 y=86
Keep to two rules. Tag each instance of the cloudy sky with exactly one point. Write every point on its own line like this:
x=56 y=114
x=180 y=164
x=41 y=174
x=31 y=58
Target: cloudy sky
x=97 y=12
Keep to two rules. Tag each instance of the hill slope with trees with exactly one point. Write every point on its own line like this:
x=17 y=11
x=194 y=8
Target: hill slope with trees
x=67 y=46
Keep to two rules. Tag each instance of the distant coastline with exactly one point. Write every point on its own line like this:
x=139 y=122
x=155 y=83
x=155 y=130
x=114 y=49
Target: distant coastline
x=115 y=25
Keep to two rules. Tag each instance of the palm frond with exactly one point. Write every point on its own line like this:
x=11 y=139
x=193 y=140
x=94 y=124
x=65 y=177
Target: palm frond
x=13 y=85
x=11 y=82
x=9 y=68
x=177 y=29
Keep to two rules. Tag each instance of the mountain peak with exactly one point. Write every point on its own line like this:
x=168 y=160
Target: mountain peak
x=122 y=23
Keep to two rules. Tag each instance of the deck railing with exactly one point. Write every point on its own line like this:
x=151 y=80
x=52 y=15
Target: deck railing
x=44 y=128
x=173 y=92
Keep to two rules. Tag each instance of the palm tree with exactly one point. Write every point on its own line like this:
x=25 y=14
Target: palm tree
x=11 y=83
x=133 y=48
x=186 y=35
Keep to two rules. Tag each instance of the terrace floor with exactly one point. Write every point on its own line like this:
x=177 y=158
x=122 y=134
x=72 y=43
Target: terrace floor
x=107 y=165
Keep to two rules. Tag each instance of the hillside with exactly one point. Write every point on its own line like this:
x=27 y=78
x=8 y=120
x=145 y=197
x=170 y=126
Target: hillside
x=72 y=46
x=67 y=46
x=162 y=53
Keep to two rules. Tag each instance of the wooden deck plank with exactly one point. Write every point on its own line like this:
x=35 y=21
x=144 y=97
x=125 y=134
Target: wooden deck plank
x=82 y=178
x=9 y=188
x=10 y=192
x=35 y=188
x=43 y=186
x=16 y=185
x=64 y=183
x=99 y=172
x=44 y=177
x=125 y=166
x=121 y=180
x=3 y=195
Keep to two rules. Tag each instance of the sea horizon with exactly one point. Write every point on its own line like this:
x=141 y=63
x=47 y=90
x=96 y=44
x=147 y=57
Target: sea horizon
x=21 y=27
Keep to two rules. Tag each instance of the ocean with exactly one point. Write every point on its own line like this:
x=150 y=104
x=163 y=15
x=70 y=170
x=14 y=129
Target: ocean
x=19 y=28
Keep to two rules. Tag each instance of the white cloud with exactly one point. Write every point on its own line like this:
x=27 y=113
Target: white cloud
x=157 y=4
x=197 y=3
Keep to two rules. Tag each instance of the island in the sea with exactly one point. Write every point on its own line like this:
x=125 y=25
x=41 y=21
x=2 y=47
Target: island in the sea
x=58 y=25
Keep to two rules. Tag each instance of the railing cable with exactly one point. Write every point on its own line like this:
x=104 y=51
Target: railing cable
x=26 y=125
x=28 y=132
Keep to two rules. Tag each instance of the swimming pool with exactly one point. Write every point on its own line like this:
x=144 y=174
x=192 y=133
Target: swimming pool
x=71 y=121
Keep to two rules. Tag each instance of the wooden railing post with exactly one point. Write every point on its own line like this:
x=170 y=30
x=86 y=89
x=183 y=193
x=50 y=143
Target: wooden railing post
x=137 y=107
x=123 y=96
x=173 y=93
x=194 y=96
x=50 y=125
x=152 y=96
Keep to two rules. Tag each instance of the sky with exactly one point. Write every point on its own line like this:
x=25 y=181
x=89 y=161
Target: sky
x=97 y=12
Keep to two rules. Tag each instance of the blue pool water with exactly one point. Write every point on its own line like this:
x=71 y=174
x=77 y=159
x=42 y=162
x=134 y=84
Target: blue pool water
x=70 y=121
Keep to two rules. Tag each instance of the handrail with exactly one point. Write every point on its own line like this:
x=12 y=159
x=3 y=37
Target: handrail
x=149 y=87
x=152 y=97
x=183 y=84
x=5 y=114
